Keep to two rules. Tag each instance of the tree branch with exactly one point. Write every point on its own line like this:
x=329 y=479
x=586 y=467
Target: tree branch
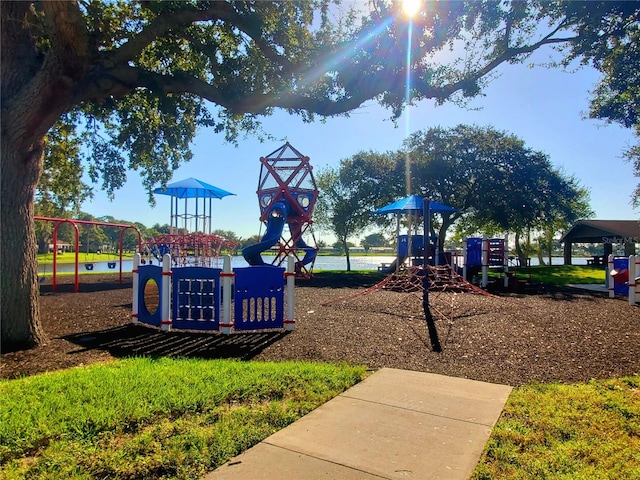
x=506 y=56
x=124 y=79
x=224 y=11
x=119 y=78
x=47 y=81
x=157 y=28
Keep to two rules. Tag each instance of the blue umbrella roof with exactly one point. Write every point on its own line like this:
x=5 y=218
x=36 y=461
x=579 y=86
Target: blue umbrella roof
x=192 y=188
x=413 y=204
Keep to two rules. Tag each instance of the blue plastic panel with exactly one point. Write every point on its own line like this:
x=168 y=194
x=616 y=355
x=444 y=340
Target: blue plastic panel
x=259 y=298
x=148 y=294
x=417 y=245
x=196 y=298
x=474 y=252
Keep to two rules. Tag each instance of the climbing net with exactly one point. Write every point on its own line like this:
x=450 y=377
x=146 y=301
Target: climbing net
x=442 y=278
x=410 y=280
x=193 y=249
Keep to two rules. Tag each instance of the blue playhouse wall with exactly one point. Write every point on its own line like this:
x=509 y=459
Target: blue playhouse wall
x=196 y=297
x=417 y=245
x=474 y=252
x=259 y=298
x=147 y=276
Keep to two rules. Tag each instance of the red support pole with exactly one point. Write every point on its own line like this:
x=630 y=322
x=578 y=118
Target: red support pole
x=59 y=222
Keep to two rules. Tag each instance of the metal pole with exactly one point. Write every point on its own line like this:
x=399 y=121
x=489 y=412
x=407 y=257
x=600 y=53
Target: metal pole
x=634 y=261
x=210 y=214
x=610 y=277
x=197 y=212
x=165 y=293
x=171 y=216
x=227 y=276
x=409 y=252
x=431 y=326
x=290 y=275
x=397 y=242
x=485 y=262
x=134 y=301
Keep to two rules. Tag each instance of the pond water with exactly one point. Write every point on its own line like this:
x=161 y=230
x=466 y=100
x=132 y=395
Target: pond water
x=370 y=263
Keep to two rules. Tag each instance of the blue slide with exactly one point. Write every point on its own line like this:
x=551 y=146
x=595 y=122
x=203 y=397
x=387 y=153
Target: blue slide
x=275 y=224
x=310 y=252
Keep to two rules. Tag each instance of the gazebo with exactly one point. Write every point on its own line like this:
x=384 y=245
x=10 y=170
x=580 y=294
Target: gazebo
x=413 y=205
x=199 y=217
x=190 y=240
x=607 y=232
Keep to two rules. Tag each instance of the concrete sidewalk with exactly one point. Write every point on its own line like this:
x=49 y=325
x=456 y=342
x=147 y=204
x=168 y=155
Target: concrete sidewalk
x=394 y=424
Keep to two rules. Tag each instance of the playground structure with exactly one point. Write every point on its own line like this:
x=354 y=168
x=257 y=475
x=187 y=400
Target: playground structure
x=189 y=291
x=420 y=280
x=480 y=254
x=623 y=277
x=74 y=223
x=213 y=299
x=189 y=249
x=190 y=240
x=287 y=194
x=441 y=278
x=424 y=274
x=411 y=247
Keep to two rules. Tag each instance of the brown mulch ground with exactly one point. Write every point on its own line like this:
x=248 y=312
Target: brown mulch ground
x=533 y=334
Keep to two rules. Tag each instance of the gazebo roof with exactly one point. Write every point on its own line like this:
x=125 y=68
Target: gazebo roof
x=192 y=188
x=413 y=204
x=595 y=231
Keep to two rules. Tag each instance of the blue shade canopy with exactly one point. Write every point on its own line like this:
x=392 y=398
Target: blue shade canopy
x=192 y=188
x=413 y=204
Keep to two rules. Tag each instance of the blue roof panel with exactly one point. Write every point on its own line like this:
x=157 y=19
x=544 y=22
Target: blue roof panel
x=192 y=188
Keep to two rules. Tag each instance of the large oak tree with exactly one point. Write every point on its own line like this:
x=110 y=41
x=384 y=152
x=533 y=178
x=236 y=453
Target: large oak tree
x=146 y=75
x=494 y=180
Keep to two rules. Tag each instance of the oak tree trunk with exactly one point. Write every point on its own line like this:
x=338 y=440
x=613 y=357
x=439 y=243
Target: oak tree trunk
x=522 y=256
x=38 y=86
x=19 y=282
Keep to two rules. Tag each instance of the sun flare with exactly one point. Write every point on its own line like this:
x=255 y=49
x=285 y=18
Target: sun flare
x=411 y=7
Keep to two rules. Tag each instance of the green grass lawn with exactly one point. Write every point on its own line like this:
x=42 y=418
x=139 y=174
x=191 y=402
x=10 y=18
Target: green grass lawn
x=154 y=418
x=572 y=432
x=70 y=257
x=548 y=274
x=560 y=274
x=178 y=419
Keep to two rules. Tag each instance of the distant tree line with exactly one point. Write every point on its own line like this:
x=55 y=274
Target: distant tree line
x=495 y=183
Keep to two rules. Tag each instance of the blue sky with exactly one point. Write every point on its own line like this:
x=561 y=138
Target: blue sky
x=543 y=107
